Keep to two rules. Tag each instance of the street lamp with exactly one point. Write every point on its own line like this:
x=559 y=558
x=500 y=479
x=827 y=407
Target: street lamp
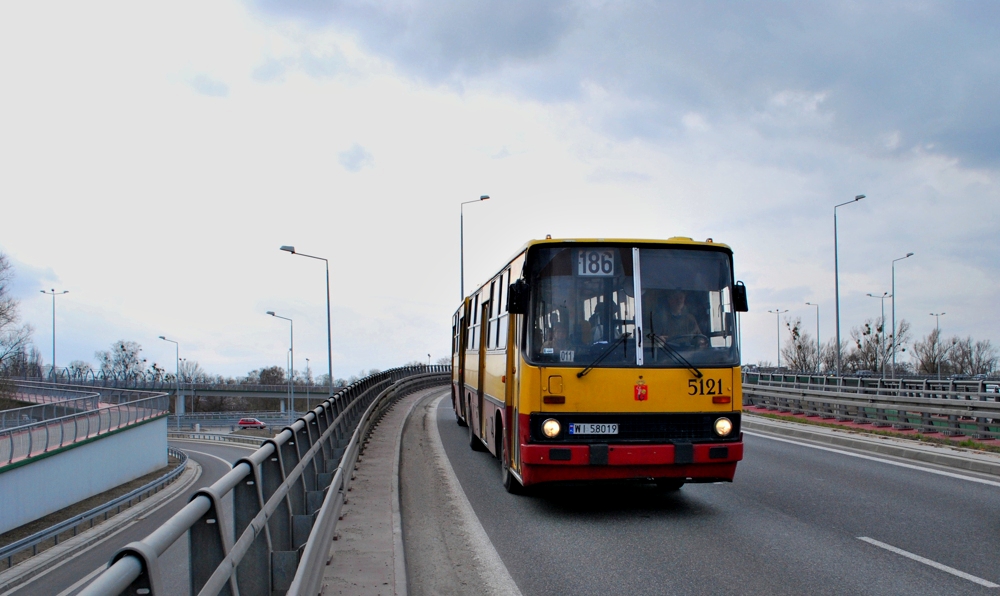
x=836 y=273
x=882 y=298
x=291 y=363
x=819 y=350
x=461 y=241
x=908 y=255
x=178 y=402
x=329 y=349
x=777 y=326
x=308 y=382
x=937 y=325
x=54 y=293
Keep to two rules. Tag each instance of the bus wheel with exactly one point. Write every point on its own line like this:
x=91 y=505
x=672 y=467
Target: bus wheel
x=474 y=442
x=510 y=483
x=669 y=485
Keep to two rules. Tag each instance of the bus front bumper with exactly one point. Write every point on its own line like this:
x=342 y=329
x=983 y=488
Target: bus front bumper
x=698 y=462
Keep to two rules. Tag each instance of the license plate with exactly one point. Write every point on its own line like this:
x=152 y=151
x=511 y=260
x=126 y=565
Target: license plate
x=590 y=428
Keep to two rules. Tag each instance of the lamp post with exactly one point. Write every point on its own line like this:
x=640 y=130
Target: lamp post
x=908 y=255
x=308 y=382
x=178 y=402
x=937 y=325
x=818 y=349
x=329 y=348
x=882 y=298
x=54 y=293
x=461 y=241
x=836 y=273
x=777 y=326
x=291 y=363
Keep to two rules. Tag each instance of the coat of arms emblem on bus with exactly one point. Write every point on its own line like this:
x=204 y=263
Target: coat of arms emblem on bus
x=641 y=390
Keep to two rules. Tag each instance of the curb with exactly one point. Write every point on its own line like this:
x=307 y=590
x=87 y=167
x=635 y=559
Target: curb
x=41 y=563
x=951 y=457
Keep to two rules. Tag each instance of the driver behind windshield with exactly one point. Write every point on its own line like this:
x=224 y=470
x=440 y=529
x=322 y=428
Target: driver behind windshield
x=675 y=321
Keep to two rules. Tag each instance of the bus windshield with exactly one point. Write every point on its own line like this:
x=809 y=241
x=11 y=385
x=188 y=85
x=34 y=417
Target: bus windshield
x=584 y=305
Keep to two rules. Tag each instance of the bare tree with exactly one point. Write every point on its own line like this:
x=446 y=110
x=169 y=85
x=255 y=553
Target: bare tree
x=972 y=358
x=828 y=355
x=800 y=349
x=191 y=372
x=123 y=361
x=14 y=337
x=930 y=355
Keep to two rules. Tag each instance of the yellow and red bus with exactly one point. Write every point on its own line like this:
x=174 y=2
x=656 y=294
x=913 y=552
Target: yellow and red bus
x=604 y=360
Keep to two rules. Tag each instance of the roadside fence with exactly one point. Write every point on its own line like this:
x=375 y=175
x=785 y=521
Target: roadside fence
x=286 y=500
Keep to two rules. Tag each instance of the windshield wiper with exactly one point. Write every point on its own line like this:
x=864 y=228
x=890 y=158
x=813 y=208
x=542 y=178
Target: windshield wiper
x=604 y=354
x=672 y=351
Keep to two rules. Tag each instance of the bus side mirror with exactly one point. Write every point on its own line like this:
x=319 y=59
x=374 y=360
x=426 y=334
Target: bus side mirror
x=517 y=298
x=740 y=297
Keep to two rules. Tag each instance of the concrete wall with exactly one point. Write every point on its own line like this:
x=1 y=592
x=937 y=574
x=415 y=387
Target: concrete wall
x=44 y=485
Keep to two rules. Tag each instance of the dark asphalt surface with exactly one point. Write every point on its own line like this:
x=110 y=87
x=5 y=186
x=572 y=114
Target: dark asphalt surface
x=788 y=524
x=174 y=560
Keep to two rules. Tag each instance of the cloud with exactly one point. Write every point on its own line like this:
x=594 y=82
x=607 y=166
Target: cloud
x=206 y=85
x=356 y=158
x=919 y=73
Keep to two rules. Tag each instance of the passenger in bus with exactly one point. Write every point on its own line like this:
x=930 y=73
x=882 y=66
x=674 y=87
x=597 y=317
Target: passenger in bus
x=558 y=339
x=675 y=321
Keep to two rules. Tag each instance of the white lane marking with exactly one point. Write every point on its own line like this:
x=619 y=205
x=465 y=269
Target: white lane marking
x=934 y=564
x=228 y=464
x=82 y=580
x=878 y=459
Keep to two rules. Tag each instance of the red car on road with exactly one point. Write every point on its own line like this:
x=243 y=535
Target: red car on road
x=251 y=423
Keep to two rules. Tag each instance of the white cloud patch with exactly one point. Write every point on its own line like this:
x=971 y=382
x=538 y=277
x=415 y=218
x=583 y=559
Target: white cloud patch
x=356 y=158
x=206 y=85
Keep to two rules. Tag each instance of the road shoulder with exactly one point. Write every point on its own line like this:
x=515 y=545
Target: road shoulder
x=447 y=549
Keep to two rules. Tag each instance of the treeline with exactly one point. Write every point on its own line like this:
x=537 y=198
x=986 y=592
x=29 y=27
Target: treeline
x=870 y=348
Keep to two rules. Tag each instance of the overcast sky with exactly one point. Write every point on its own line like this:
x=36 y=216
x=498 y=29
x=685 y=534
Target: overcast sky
x=153 y=157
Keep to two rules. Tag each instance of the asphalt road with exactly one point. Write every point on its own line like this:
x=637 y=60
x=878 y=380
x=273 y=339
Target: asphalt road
x=792 y=522
x=73 y=575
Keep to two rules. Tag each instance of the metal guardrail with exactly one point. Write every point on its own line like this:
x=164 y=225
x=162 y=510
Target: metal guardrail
x=869 y=383
x=954 y=413
x=11 y=551
x=32 y=439
x=284 y=496
x=216 y=437
x=51 y=402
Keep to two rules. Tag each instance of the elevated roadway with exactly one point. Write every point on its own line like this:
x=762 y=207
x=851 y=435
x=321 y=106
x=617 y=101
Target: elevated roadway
x=72 y=575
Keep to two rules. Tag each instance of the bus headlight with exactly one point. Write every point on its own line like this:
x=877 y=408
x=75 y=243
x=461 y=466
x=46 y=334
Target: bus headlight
x=723 y=426
x=551 y=428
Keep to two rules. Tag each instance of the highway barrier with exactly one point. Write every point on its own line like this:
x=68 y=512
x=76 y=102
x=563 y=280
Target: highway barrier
x=946 y=407
x=286 y=499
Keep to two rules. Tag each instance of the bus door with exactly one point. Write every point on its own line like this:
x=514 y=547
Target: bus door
x=484 y=314
x=463 y=338
x=511 y=435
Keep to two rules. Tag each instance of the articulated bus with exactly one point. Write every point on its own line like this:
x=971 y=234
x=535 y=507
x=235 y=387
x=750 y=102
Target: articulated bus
x=587 y=360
